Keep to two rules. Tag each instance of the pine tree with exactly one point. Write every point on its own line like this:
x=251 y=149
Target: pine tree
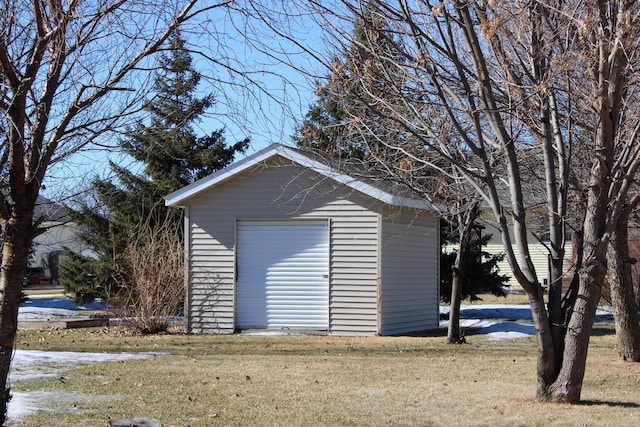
x=173 y=155
x=482 y=274
x=172 y=152
x=326 y=125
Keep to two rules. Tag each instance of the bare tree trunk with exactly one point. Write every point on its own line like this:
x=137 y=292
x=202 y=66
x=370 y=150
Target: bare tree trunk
x=454 y=335
x=547 y=360
x=15 y=252
x=556 y=314
x=625 y=311
x=467 y=214
x=458 y=276
x=560 y=379
x=568 y=385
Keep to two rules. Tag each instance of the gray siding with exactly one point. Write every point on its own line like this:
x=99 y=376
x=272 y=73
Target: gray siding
x=261 y=194
x=410 y=272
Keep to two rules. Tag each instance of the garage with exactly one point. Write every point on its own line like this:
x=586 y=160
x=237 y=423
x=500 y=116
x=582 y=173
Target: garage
x=283 y=275
x=286 y=239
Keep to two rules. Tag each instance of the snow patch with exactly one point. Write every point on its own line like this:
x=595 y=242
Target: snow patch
x=23 y=404
x=504 y=321
x=33 y=364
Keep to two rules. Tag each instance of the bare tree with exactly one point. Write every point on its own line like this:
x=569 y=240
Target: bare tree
x=620 y=281
x=155 y=292
x=465 y=211
x=72 y=75
x=522 y=85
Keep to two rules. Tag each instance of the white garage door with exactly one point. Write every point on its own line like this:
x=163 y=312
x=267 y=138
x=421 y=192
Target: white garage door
x=282 y=275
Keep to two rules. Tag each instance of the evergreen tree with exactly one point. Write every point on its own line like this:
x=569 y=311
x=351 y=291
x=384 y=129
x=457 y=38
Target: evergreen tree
x=357 y=78
x=482 y=274
x=322 y=129
x=172 y=152
x=173 y=156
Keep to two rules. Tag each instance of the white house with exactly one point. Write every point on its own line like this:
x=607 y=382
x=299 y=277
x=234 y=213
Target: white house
x=59 y=232
x=538 y=249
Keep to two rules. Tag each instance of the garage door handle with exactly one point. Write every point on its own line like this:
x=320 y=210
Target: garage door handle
x=325 y=276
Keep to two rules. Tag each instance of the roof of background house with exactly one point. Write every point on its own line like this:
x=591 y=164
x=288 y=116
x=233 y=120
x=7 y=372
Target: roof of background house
x=49 y=210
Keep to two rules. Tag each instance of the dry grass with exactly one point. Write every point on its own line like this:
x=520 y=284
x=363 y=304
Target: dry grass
x=512 y=298
x=30 y=291
x=330 y=381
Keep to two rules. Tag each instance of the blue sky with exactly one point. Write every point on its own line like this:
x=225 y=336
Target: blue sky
x=263 y=102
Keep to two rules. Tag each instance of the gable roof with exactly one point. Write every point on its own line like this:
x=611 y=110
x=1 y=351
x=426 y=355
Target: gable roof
x=50 y=211
x=308 y=160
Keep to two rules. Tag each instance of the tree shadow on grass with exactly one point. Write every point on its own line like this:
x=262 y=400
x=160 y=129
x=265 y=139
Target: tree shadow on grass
x=603 y=330
x=609 y=403
x=438 y=332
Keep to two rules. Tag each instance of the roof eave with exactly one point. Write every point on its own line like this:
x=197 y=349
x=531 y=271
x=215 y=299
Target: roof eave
x=179 y=196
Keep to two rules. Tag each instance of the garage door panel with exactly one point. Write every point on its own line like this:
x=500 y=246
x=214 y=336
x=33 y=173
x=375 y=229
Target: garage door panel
x=282 y=274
